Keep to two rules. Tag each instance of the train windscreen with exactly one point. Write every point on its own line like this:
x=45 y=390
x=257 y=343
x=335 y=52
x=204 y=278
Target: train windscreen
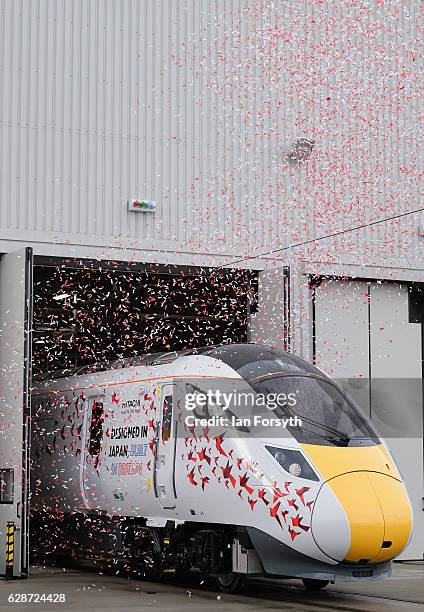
x=327 y=415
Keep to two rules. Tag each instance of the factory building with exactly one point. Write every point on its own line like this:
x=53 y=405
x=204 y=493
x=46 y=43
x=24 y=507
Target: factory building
x=175 y=174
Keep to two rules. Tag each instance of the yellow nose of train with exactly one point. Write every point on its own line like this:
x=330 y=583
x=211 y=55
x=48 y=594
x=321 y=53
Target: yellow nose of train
x=362 y=513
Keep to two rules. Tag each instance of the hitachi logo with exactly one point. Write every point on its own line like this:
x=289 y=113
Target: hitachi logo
x=131 y=403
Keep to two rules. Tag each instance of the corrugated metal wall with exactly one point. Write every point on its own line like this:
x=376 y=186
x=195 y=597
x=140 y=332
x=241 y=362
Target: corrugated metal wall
x=195 y=103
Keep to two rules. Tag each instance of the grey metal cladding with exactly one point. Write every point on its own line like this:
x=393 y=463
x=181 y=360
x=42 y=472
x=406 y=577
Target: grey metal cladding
x=195 y=104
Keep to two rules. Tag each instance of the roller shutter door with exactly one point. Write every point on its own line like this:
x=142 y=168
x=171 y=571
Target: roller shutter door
x=362 y=333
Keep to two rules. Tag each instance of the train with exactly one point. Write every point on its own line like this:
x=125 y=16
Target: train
x=293 y=481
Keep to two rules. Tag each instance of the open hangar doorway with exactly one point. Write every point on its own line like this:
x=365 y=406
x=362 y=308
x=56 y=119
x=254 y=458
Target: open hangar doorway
x=60 y=315
x=90 y=312
x=369 y=335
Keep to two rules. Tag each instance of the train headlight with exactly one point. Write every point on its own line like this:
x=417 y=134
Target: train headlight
x=293 y=462
x=295 y=469
x=280 y=456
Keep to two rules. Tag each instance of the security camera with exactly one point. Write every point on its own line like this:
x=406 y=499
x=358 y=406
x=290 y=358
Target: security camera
x=301 y=149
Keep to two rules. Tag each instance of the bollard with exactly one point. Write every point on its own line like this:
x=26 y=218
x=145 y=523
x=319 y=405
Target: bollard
x=10 y=543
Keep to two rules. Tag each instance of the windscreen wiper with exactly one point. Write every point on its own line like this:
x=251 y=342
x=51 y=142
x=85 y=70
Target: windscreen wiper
x=339 y=436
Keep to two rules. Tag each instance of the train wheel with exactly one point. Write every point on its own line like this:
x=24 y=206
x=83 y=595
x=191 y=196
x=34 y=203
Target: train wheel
x=231 y=583
x=314 y=585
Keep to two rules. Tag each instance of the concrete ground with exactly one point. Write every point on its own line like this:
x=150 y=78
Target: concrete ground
x=87 y=590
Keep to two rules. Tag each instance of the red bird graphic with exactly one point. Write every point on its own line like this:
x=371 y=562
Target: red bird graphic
x=293 y=504
x=190 y=477
x=206 y=434
x=226 y=473
x=297 y=522
x=286 y=486
x=243 y=483
x=203 y=456
x=310 y=504
x=284 y=514
x=252 y=502
x=239 y=462
x=115 y=399
x=190 y=456
x=278 y=493
x=261 y=495
x=240 y=494
x=301 y=492
x=274 y=513
x=293 y=533
x=218 y=442
x=152 y=445
x=205 y=481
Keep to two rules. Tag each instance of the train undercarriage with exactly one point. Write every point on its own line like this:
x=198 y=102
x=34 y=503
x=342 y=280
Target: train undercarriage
x=224 y=553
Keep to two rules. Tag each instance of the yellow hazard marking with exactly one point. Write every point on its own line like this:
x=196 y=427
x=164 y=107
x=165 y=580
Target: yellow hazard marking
x=10 y=542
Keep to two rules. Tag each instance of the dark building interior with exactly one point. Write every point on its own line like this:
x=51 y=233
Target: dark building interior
x=97 y=313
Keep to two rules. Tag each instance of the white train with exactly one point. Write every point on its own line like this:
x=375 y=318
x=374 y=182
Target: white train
x=318 y=498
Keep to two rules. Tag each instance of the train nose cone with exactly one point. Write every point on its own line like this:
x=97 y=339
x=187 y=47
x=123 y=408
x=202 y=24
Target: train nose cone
x=378 y=514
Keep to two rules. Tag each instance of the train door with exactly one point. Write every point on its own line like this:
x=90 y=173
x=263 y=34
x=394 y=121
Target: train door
x=15 y=382
x=164 y=477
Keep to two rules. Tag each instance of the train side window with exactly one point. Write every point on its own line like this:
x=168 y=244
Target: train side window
x=96 y=428
x=166 y=418
x=6 y=486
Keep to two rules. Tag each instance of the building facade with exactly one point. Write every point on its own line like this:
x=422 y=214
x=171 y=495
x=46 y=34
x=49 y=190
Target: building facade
x=197 y=105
